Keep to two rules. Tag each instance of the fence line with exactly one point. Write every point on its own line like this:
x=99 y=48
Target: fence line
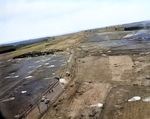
x=40 y=107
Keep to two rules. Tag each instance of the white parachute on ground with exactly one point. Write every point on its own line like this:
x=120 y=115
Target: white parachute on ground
x=62 y=81
x=97 y=105
x=51 y=66
x=147 y=99
x=23 y=91
x=28 y=77
x=135 y=98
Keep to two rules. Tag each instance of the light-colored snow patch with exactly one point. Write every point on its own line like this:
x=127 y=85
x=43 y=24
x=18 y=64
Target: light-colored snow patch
x=30 y=71
x=147 y=99
x=46 y=64
x=39 y=66
x=16 y=116
x=23 y=91
x=104 y=55
x=51 y=66
x=12 y=77
x=62 y=81
x=70 y=58
x=28 y=77
x=9 y=60
x=128 y=35
x=9 y=99
x=63 y=65
x=135 y=98
x=16 y=76
x=30 y=66
x=140 y=58
x=7 y=77
x=28 y=58
x=37 y=62
x=136 y=62
x=46 y=78
x=147 y=53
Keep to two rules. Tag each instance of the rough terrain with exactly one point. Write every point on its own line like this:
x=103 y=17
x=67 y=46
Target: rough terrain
x=110 y=68
x=106 y=69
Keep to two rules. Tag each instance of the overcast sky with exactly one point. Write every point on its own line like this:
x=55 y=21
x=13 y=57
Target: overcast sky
x=26 y=19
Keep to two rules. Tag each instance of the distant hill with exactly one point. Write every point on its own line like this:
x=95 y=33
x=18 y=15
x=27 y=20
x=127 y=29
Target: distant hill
x=4 y=48
x=139 y=24
x=28 y=42
x=127 y=27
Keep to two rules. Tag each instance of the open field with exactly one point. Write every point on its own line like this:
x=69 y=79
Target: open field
x=118 y=75
x=103 y=69
x=117 y=108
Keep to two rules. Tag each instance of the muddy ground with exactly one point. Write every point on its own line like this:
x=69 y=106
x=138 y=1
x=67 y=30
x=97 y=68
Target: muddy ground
x=105 y=71
x=32 y=75
x=109 y=68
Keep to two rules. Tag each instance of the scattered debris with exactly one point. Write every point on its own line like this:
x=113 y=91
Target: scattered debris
x=46 y=101
x=70 y=58
x=30 y=71
x=39 y=66
x=90 y=113
x=104 y=55
x=147 y=53
x=134 y=98
x=16 y=116
x=8 y=60
x=139 y=72
x=56 y=78
x=67 y=73
x=136 y=62
x=147 y=99
x=43 y=98
x=135 y=84
x=46 y=64
x=71 y=85
x=12 y=76
x=36 y=61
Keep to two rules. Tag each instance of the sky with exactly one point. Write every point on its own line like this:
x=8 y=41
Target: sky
x=28 y=19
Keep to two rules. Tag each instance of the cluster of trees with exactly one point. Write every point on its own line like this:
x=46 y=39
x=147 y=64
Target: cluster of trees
x=5 y=49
